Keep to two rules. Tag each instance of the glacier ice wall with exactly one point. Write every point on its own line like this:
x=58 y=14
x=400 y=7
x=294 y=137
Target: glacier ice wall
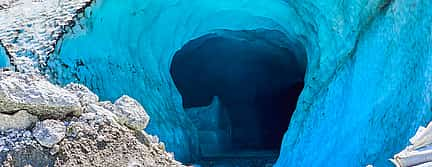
x=378 y=96
x=126 y=48
x=367 y=86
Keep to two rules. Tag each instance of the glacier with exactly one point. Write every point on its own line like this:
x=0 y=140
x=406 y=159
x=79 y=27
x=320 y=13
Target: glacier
x=367 y=85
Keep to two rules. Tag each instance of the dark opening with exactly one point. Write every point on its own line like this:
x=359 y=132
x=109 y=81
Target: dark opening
x=240 y=89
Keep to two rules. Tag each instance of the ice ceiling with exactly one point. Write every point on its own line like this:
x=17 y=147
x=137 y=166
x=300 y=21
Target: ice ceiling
x=367 y=83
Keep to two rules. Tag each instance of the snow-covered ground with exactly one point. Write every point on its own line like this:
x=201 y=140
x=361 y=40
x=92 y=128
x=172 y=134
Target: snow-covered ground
x=29 y=29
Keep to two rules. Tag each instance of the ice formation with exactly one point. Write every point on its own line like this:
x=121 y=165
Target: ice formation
x=367 y=85
x=146 y=33
x=4 y=59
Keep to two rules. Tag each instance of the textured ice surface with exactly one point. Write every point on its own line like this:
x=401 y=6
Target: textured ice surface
x=4 y=59
x=126 y=48
x=379 y=94
x=368 y=83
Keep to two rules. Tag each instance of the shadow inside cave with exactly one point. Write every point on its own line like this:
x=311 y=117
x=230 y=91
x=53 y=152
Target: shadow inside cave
x=240 y=89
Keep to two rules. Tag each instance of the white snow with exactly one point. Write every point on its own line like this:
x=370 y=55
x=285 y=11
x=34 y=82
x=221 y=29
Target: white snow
x=29 y=29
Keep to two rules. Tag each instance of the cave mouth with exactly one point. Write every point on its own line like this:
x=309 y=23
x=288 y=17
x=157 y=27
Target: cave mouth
x=240 y=89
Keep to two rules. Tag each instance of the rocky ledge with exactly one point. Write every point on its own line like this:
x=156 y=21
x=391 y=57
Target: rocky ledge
x=42 y=124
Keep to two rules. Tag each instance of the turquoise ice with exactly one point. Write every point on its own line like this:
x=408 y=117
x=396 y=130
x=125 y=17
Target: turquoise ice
x=4 y=59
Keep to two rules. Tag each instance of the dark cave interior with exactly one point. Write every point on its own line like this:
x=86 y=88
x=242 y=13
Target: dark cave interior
x=240 y=89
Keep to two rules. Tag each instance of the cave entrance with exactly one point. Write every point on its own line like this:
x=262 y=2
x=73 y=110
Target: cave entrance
x=240 y=89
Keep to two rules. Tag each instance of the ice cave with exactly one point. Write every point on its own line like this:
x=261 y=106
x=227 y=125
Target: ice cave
x=240 y=88
x=320 y=82
x=135 y=58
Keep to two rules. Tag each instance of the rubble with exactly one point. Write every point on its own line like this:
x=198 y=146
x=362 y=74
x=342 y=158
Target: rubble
x=47 y=134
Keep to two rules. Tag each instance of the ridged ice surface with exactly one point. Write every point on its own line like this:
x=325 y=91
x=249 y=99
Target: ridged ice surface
x=29 y=29
x=4 y=59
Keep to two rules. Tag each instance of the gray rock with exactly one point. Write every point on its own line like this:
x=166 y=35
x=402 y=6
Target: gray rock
x=84 y=94
x=130 y=113
x=99 y=112
x=49 y=132
x=107 y=105
x=35 y=94
x=20 y=120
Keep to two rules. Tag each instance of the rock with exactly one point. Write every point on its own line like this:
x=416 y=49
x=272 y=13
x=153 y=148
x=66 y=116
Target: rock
x=20 y=120
x=88 y=116
x=96 y=112
x=84 y=94
x=49 y=132
x=130 y=113
x=55 y=149
x=146 y=138
x=107 y=145
x=29 y=156
x=35 y=94
x=107 y=105
x=93 y=138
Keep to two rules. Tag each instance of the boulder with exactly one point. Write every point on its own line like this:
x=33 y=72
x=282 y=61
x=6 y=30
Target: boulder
x=84 y=94
x=96 y=112
x=35 y=94
x=49 y=132
x=130 y=113
x=20 y=121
